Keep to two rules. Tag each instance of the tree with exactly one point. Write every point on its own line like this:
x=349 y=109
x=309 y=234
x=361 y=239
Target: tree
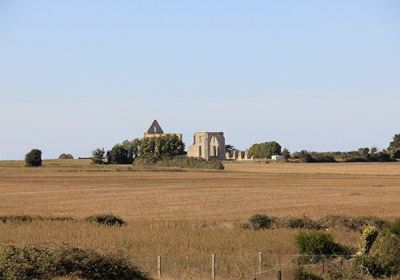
x=132 y=147
x=33 y=158
x=166 y=145
x=394 y=147
x=286 y=154
x=118 y=155
x=98 y=156
x=265 y=150
x=66 y=156
x=230 y=149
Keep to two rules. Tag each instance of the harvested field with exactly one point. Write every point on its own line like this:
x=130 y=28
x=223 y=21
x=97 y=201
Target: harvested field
x=79 y=189
x=185 y=216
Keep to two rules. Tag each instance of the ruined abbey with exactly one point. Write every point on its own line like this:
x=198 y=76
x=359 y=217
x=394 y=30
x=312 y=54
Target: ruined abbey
x=207 y=145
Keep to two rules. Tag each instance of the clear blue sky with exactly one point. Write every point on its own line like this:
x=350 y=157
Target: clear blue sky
x=315 y=75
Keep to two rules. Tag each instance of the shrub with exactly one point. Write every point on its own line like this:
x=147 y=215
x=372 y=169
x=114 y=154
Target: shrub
x=352 y=223
x=38 y=262
x=260 y=221
x=394 y=228
x=376 y=267
x=106 y=219
x=316 y=245
x=33 y=158
x=304 y=223
x=29 y=219
x=66 y=156
x=178 y=162
x=300 y=274
x=368 y=238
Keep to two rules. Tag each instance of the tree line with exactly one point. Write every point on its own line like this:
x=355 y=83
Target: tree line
x=171 y=145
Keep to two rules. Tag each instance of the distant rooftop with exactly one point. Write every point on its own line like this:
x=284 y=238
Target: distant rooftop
x=155 y=128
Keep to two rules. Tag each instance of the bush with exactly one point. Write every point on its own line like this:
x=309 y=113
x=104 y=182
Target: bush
x=304 y=223
x=352 y=223
x=106 y=219
x=178 y=162
x=316 y=245
x=368 y=238
x=260 y=221
x=66 y=156
x=33 y=158
x=29 y=219
x=38 y=262
x=394 y=228
x=300 y=274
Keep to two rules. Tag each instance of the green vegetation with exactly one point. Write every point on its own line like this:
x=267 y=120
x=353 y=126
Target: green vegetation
x=368 y=238
x=106 y=219
x=362 y=155
x=178 y=162
x=394 y=147
x=300 y=274
x=98 y=156
x=33 y=158
x=66 y=156
x=29 y=219
x=316 y=245
x=352 y=223
x=265 y=150
x=38 y=262
x=124 y=153
x=168 y=145
x=260 y=221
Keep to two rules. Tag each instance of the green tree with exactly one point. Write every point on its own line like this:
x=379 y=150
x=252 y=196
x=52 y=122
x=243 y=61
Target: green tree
x=230 y=149
x=265 y=150
x=98 y=156
x=118 y=155
x=33 y=158
x=162 y=146
x=132 y=147
x=394 y=147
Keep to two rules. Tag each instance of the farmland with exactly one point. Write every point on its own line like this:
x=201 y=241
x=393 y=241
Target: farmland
x=188 y=215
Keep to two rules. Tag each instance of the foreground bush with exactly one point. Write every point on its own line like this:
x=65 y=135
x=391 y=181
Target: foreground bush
x=315 y=246
x=300 y=274
x=178 y=162
x=38 y=262
x=33 y=158
x=384 y=258
x=106 y=219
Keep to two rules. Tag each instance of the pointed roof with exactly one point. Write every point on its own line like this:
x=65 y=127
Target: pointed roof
x=155 y=128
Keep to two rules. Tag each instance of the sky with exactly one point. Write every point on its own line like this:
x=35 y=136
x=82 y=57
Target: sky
x=315 y=75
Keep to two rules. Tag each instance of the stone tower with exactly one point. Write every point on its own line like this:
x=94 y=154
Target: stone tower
x=155 y=130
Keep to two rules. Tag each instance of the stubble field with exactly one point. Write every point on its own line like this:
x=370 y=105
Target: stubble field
x=185 y=216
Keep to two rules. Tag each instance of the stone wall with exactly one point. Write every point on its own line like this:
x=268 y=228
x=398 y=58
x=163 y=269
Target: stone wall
x=208 y=145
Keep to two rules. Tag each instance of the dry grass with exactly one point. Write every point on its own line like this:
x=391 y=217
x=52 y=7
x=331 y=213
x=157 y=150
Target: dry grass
x=186 y=216
x=185 y=247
